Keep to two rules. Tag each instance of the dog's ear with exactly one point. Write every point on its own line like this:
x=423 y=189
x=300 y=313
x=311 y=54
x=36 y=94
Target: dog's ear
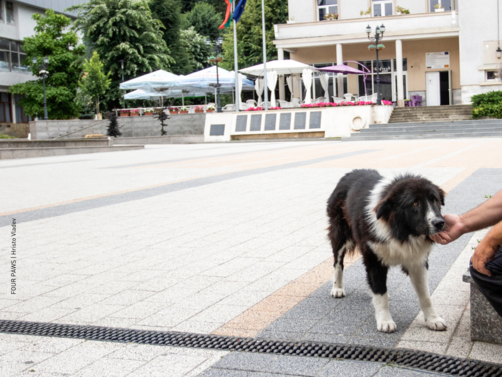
x=384 y=208
x=441 y=194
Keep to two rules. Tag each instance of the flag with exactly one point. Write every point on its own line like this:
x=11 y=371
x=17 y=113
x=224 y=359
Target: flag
x=238 y=10
x=226 y=23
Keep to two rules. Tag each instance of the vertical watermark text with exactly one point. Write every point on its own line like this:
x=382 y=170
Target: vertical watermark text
x=13 y=258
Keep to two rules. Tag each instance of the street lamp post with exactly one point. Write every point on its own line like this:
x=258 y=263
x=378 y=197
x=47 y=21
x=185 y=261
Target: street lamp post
x=379 y=31
x=122 y=67
x=216 y=59
x=44 y=73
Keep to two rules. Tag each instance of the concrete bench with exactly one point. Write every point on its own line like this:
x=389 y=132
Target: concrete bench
x=486 y=324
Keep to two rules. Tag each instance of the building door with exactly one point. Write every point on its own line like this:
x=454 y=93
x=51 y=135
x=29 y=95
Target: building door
x=433 y=88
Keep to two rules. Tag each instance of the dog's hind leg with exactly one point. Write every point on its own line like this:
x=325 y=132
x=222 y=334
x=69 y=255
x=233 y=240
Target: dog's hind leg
x=337 y=291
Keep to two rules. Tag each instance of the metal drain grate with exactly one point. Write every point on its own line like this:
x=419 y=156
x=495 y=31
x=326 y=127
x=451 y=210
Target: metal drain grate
x=405 y=358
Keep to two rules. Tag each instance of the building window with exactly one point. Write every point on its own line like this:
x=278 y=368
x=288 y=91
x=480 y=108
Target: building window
x=446 y=4
x=12 y=56
x=1 y=11
x=5 y=108
x=9 y=7
x=491 y=75
x=382 y=8
x=21 y=117
x=327 y=7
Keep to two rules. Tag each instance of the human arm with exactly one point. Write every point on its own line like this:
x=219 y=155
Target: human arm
x=487 y=248
x=487 y=214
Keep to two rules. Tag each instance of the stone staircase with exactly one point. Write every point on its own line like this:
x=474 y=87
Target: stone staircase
x=441 y=122
x=431 y=114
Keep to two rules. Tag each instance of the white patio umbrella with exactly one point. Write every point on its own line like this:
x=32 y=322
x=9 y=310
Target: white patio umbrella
x=151 y=80
x=258 y=85
x=324 y=79
x=272 y=83
x=307 y=81
x=282 y=67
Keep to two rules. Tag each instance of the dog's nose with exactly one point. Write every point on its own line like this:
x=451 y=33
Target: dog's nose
x=438 y=223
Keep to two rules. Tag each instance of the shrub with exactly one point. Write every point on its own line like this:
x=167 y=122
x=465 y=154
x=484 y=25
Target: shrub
x=487 y=105
x=2 y=136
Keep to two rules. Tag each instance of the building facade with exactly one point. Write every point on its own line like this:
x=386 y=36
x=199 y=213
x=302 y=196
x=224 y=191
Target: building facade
x=16 y=23
x=443 y=50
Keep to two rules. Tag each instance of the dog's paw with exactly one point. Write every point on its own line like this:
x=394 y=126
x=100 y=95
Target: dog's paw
x=387 y=326
x=436 y=324
x=337 y=292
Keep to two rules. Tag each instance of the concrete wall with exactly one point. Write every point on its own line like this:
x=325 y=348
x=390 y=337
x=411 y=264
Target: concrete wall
x=478 y=43
x=19 y=130
x=335 y=122
x=302 y=10
x=65 y=143
x=182 y=124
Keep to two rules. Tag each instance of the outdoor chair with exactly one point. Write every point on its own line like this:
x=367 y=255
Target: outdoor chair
x=337 y=99
x=229 y=107
x=262 y=104
x=244 y=106
x=296 y=102
x=416 y=101
x=285 y=104
x=320 y=99
x=349 y=96
x=251 y=103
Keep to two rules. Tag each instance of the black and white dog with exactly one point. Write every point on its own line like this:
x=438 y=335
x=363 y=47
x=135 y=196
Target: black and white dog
x=390 y=221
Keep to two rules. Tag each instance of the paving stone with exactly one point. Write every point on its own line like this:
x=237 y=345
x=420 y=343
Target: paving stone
x=350 y=369
x=245 y=362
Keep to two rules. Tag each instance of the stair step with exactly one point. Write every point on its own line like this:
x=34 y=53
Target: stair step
x=424 y=136
x=431 y=131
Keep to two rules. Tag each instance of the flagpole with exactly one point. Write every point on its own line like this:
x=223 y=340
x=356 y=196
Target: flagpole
x=236 y=64
x=264 y=53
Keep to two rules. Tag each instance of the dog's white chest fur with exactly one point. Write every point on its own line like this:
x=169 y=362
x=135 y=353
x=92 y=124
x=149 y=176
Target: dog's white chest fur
x=394 y=253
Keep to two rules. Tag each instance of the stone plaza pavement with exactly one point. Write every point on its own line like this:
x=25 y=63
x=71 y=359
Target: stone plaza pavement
x=225 y=239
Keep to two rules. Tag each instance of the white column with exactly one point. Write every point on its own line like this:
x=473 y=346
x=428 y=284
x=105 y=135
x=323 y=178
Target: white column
x=282 y=82
x=399 y=73
x=339 y=61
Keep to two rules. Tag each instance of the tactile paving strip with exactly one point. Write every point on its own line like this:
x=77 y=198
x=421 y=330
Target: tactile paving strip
x=405 y=358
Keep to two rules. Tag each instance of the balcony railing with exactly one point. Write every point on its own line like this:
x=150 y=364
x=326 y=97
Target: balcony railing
x=413 y=24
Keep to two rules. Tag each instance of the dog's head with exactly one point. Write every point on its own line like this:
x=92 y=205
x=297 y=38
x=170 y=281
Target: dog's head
x=412 y=206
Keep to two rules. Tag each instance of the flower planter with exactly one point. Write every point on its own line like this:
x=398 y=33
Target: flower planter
x=199 y=111
x=209 y=111
x=290 y=22
x=148 y=114
x=173 y=112
x=183 y=112
x=439 y=10
x=133 y=114
x=124 y=114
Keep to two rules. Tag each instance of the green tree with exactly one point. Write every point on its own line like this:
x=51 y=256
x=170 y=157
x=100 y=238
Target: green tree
x=51 y=40
x=169 y=13
x=249 y=33
x=219 y=5
x=195 y=45
x=95 y=82
x=122 y=30
x=204 y=18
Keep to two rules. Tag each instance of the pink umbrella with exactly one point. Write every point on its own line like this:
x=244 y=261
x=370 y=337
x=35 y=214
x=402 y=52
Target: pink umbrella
x=346 y=70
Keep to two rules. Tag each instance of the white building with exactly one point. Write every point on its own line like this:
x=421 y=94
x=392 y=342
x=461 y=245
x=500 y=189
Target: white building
x=16 y=23
x=445 y=55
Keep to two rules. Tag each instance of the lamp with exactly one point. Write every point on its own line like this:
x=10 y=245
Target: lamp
x=34 y=60
x=499 y=53
x=382 y=29
x=379 y=31
x=368 y=30
x=208 y=42
x=46 y=60
x=219 y=41
x=44 y=75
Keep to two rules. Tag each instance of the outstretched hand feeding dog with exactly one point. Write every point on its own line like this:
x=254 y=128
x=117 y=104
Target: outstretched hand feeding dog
x=391 y=222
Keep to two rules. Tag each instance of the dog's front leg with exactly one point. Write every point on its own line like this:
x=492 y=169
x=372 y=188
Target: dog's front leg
x=418 y=275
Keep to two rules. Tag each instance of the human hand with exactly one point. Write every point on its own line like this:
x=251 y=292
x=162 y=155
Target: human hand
x=453 y=230
x=484 y=253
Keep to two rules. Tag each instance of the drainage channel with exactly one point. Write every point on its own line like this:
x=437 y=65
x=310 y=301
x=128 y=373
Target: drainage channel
x=400 y=357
